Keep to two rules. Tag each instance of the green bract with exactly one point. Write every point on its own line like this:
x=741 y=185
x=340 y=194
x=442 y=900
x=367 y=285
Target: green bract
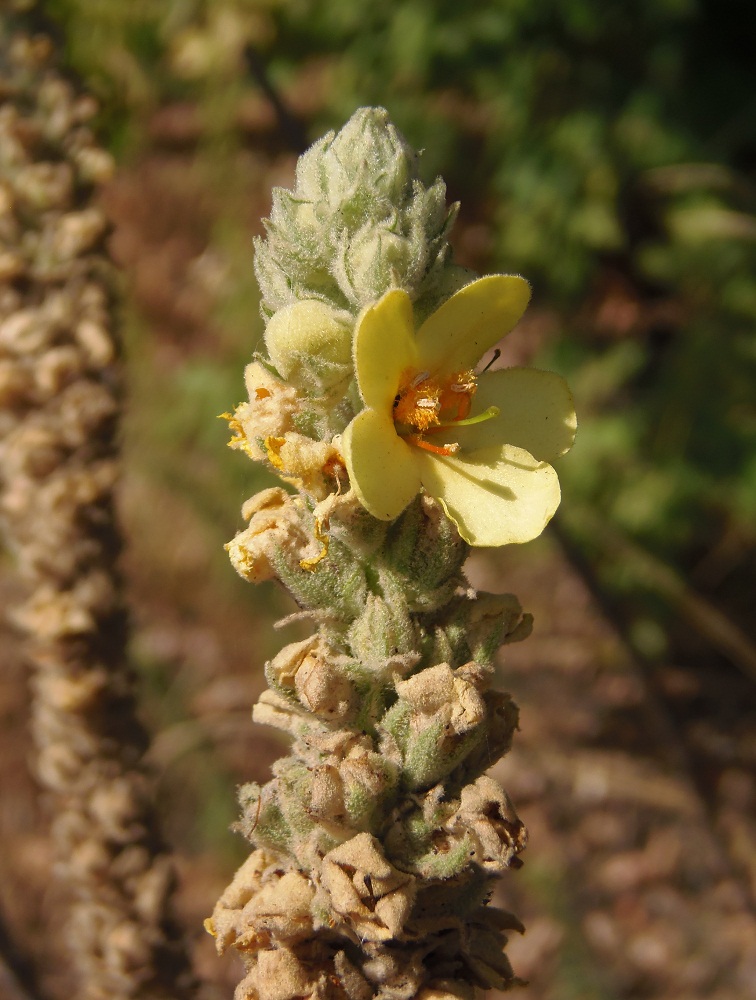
x=359 y=221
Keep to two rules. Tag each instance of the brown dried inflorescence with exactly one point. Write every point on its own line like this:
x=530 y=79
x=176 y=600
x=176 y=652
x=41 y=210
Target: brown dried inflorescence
x=59 y=408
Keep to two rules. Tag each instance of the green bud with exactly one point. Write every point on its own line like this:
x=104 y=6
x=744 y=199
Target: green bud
x=368 y=162
x=375 y=259
x=262 y=821
x=310 y=344
x=382 y=631
x=433 y=754
x=439 y=860
x=474 y=628
x=424 y=555
x=357 y=223
x=336 y=584
x=445 y=283
x=373 y=695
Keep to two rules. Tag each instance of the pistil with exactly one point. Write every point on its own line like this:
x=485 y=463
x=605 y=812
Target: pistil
x=479 y=418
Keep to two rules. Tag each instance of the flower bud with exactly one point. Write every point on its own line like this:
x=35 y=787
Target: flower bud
x=310 y=344
x=425 y=554
x=357 y=223
x=374 y=260
x=368 y=150
x=383 y=630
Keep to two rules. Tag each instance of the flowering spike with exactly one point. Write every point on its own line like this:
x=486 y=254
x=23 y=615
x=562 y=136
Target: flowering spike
x=377 y=838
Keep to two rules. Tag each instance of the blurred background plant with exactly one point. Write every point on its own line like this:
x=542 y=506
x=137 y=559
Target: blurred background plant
x=607 y=152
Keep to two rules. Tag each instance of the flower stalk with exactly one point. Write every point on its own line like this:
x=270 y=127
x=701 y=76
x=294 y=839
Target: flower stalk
x=379 y=837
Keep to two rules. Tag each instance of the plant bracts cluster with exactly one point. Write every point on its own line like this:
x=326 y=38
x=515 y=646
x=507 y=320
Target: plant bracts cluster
x=379 y=837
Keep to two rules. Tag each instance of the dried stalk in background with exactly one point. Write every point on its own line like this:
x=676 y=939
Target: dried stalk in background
x=59 y=409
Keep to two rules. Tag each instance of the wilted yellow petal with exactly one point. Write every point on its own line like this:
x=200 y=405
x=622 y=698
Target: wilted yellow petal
x=457 y=335
x=536 y=413
x=384 y=346
x=382 y=467
x=495 y=496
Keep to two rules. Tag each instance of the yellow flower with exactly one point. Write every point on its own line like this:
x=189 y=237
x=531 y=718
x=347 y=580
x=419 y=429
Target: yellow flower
x=480 y=443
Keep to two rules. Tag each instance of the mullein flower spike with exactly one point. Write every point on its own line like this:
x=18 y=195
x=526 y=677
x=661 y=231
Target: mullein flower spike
x=377 y=839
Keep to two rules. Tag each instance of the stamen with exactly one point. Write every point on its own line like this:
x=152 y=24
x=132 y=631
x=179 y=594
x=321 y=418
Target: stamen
x=435 y=449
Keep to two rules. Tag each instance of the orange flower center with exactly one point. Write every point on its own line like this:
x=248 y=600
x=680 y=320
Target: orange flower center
x=425 y=404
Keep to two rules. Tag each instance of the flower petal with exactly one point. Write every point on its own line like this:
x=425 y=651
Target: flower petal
x=536 y=413
x=456 y=335
x=496 y=496
x=382 y=467
x=384 y=346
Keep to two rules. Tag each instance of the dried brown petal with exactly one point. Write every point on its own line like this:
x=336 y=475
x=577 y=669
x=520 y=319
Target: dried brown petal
x=365 y=889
